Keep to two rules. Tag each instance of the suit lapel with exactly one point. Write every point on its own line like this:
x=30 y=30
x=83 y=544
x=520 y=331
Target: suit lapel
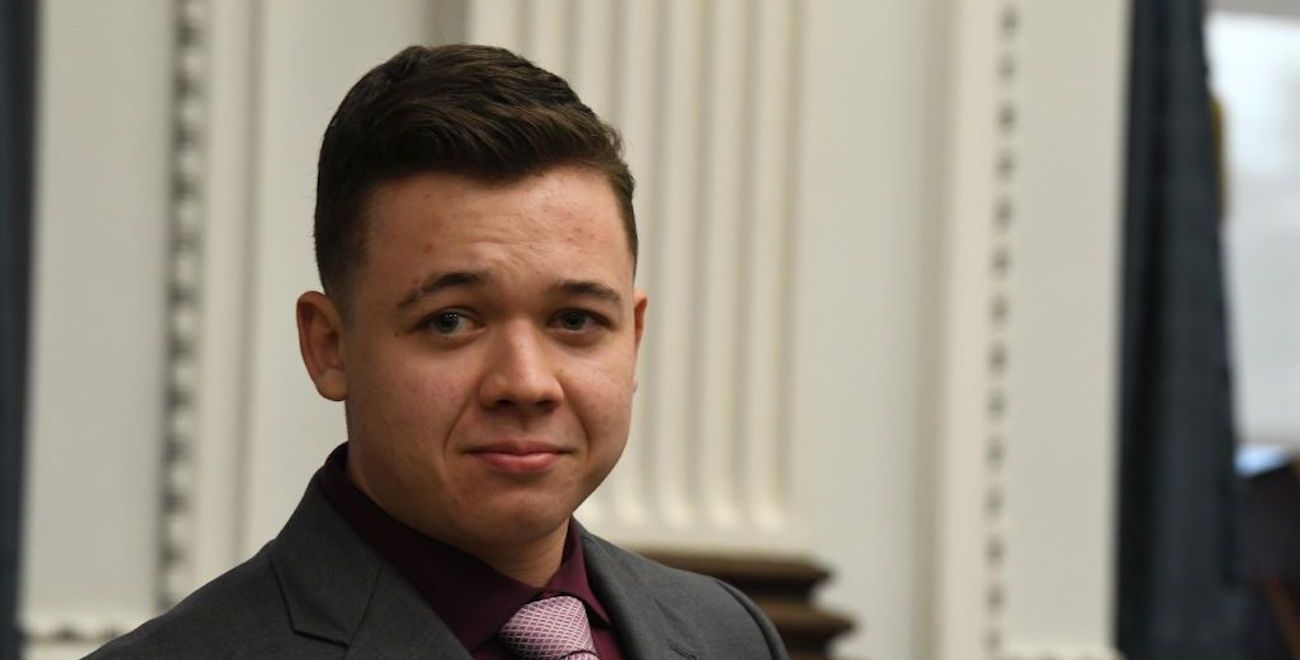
x=399 y=624
x=336 y=588
x=643 y=630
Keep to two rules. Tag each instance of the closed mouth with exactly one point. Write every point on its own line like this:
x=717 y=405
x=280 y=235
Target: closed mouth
x=518 y=456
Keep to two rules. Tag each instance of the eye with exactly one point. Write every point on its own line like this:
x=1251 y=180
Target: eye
x=575 y=320
x=447 y=323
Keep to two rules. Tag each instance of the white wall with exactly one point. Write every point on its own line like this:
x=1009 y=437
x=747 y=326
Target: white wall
x=97 y=399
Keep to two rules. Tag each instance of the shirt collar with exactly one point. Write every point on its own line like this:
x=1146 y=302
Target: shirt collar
x=471 y=597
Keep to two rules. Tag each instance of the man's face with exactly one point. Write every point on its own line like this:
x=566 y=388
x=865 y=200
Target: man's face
x=491 y=351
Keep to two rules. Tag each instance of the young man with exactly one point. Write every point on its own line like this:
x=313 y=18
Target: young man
x=477 y=247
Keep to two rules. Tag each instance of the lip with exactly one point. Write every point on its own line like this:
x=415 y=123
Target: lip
x=518 y=456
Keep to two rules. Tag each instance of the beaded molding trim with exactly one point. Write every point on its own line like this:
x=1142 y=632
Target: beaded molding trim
x=1000 y=249
x=1000 y=303
x=183 y=299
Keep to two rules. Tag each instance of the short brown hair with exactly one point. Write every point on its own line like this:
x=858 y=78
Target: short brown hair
x=477 y=111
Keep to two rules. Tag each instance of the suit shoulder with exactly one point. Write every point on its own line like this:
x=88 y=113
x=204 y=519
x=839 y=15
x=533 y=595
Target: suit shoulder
x=720 y=616
x=675 y=581
x=239 y=614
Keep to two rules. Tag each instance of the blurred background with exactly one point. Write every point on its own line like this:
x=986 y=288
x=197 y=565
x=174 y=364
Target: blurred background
x=974 y=327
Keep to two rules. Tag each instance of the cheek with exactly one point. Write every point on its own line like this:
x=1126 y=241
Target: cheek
x=604 y=399
x=418 y=398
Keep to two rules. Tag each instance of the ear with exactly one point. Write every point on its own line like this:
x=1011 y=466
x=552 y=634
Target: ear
x=638 y=315
x=638 y=318
x=320 y=338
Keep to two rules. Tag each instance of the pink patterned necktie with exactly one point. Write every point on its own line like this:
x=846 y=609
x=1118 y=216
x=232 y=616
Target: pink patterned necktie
x=553 y=628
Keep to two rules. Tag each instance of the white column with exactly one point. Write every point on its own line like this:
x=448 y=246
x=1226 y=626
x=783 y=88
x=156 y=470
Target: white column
x=1024 y=529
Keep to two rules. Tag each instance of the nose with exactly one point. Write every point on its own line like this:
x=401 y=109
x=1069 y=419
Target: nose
x=519 y=373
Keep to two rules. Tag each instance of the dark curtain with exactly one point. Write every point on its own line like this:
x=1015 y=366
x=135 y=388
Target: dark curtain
x=1178 y=575
x=17 y=74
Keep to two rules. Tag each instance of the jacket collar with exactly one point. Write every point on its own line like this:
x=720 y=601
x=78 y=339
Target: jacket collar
x=634 y=602
x=337 y=589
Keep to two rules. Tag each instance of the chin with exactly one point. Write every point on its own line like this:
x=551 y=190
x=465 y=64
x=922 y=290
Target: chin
x=524 y=521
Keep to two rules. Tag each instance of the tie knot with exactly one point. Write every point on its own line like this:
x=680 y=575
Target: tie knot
x=550 y=629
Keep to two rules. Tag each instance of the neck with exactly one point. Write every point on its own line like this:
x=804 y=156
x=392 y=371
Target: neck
x=533 y=563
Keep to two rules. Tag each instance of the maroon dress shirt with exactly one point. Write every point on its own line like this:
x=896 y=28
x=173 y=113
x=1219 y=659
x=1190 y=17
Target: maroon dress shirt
x=472 y=598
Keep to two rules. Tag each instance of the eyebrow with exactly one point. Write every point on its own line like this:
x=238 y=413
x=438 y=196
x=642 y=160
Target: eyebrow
x=440 y=281
x=591 y=289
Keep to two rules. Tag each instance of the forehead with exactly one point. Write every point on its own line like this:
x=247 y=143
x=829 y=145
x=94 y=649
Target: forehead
x=569 y=215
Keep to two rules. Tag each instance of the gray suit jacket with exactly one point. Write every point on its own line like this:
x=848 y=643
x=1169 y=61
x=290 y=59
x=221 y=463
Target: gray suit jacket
x=318 y=591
